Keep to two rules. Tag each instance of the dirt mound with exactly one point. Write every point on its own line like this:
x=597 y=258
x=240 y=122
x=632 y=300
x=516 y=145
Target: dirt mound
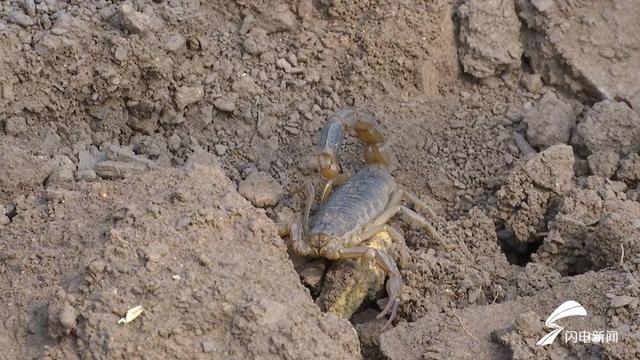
x=181 y=243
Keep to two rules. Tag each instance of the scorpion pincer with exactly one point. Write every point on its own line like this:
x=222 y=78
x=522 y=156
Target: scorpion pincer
x=360 y=207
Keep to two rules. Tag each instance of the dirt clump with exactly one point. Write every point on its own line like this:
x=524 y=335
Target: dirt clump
x=549 y=121
x=557 y=45
x=531 y=188
x=609 y=125
x=261 y=189
x=489 y=35
x=629 y=170
x=603 y=163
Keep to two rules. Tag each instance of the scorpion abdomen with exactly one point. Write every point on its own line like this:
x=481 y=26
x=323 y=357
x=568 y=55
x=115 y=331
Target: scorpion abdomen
x=361 y=199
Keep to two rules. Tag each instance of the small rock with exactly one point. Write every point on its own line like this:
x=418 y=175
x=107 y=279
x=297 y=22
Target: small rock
x=4 y=220
x=283 y=64
x=29 y=7
x=126 y=154
x=629 y=170
x=514 y=113
x=20 y=18
x=532 y=82
x=456 y=124
x=15 y=125
x=489 y=37
x=121 y=53
x=188 y=95
x=68 y=317
x=136 y=22
x=86 y=175
x=277 y=18
x=528 y=324
x=169 y=116
x=603 y=163
x=609 y=125
x=155 y=251
x=255 y=42
x=622 y=300
x=86 y=161
x=97 y=266
x=246 y=85
x=225 y=104
x=312 y=275
x=208 y=346
x=220 y=149
x=63 y=170
x=174 y=142
x=549 y=121
x=112 y=170
x=175 y=43
x=261 y=189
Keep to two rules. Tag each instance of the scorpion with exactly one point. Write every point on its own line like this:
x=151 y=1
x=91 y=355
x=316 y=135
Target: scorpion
x=360 y=207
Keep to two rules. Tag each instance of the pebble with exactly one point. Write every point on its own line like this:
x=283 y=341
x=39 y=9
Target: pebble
x=277 y=18
x=15 y=125
x=603 y=163
x=20 y=18
x=63 y=170
x=175 y=43
x=283 y=64
x=261 y=189
x=208 y=346
x=312 y=274
x=97 y=266
x=187 y=95
x=246 y=85
x=225 y=104
x=68 y=317
x=135 y=22
x=4 y=220
x=549 y=121
x=30 y=7
x=111 y=170
x=456 y=124
x=86 y=175
x=86 y=161
x=155 y=251
x=174 y=142
x=220 y=149
x=622 y=300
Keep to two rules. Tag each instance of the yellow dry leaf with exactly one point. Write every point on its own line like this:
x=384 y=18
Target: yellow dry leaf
x=131 y=315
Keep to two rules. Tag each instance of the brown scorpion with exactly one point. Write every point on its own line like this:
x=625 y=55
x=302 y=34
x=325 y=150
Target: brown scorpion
x=360 y=207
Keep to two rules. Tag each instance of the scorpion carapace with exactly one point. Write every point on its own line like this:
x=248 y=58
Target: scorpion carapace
x=358 y=210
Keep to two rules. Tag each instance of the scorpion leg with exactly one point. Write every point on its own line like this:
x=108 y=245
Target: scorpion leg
x=394 y=207
x=299 y=229
x=417 y=202
x=298 y=245
x=394 y=283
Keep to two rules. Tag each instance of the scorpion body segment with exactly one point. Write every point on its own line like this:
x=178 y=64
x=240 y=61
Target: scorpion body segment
x=354 y=204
